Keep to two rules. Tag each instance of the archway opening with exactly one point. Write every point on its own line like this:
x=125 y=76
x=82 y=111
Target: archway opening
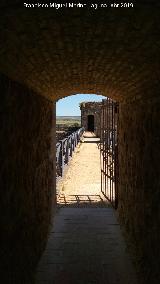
x=91 y=122
x=82 y=200
x=78 y=180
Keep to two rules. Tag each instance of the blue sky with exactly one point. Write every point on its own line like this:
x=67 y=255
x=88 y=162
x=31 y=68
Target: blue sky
x=69 y=106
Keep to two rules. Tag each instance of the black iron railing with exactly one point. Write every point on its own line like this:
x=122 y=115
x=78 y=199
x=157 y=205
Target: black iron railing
x=109 y=151
x=65 y=149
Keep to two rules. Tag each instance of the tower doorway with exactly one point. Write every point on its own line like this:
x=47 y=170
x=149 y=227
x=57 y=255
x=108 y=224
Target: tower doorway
x=91 y=123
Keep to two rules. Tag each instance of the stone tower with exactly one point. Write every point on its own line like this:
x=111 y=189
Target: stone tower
x=90 y=116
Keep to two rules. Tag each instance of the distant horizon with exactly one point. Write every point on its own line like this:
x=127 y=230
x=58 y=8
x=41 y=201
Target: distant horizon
x=68 y=115
x=69 y=106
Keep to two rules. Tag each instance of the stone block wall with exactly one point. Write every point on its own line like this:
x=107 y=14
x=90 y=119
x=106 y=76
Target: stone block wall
x=139 y=182
x=91 y=108
x=27 y=189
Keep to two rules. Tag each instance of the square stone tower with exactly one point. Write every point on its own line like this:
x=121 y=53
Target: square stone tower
x=91 y=116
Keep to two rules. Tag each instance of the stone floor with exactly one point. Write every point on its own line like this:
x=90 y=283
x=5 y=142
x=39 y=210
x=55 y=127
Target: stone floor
x=85 y=245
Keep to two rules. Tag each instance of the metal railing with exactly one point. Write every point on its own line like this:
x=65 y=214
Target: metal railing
x=65 y=149
x=109 y=151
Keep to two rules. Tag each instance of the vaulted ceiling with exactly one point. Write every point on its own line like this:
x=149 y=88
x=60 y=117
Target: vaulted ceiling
x=111 y=51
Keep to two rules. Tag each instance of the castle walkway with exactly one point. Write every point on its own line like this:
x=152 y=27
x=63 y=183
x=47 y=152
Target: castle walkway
x=85 y=244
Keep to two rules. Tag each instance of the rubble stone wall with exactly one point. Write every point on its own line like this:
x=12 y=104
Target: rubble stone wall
x=91 y=108
x=27 y=186
x=139 y=181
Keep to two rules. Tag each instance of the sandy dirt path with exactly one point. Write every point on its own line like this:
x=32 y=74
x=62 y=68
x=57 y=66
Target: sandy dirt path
x=81 y=183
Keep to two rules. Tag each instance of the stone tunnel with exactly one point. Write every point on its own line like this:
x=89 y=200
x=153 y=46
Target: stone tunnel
x=45 y=55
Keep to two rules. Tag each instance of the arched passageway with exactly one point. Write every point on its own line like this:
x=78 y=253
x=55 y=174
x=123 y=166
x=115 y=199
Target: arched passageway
x=85 y=244
x=47 y=55
x=91 y=123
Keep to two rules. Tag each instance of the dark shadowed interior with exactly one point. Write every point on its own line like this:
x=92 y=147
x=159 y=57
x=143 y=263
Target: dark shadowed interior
x=48 y=54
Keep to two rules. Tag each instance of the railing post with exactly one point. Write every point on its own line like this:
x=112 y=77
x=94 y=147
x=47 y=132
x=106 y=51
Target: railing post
x=67 y=151
x=75 y=139
x=61 y=158
x=70 y=145
x=58 y=170
x=73 y=145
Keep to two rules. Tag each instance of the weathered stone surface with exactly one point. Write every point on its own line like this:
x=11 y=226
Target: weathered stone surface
x=139 y=181
x=58 y=53
x=93 y=110
x=27 y=187
x=114 y=52
x=91 y=249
